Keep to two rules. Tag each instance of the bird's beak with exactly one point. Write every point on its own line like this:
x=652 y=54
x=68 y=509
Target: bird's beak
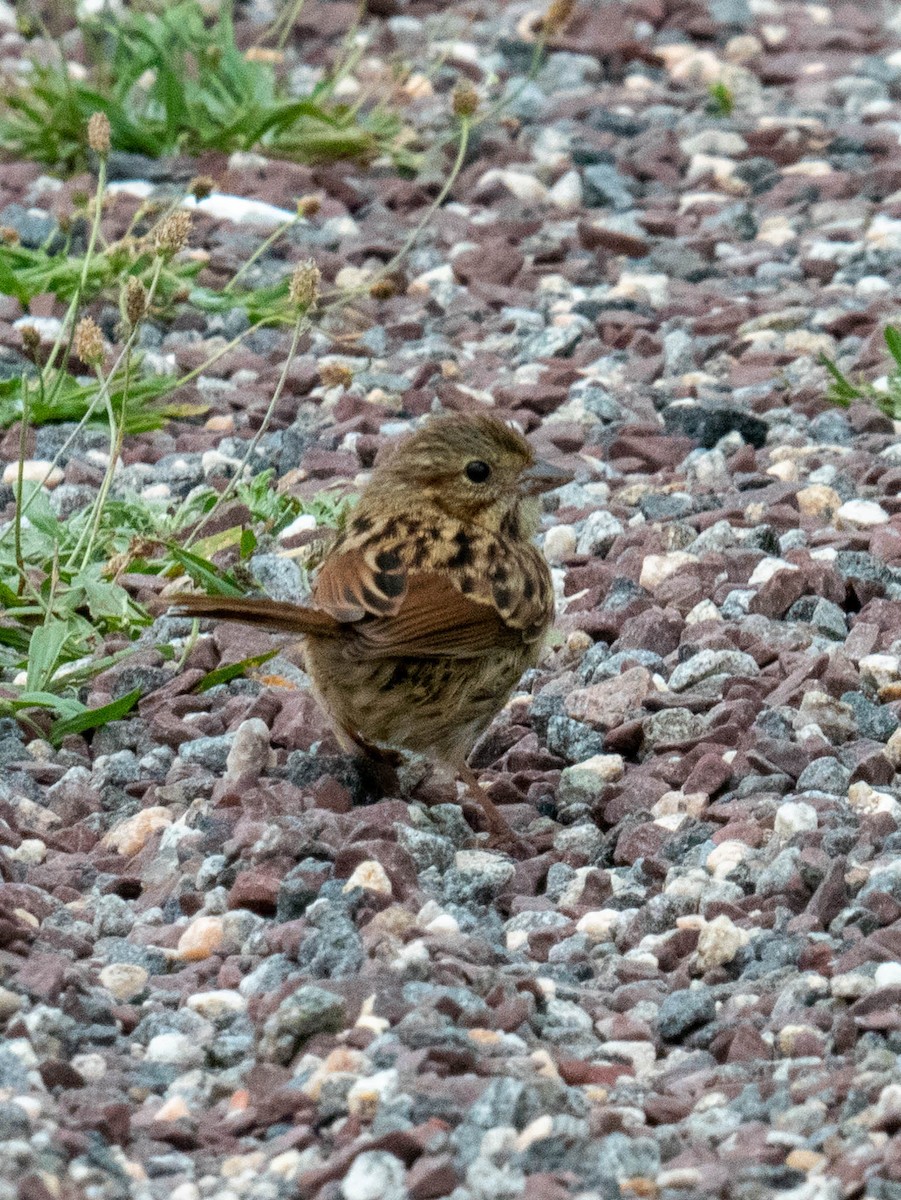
x=543 y=477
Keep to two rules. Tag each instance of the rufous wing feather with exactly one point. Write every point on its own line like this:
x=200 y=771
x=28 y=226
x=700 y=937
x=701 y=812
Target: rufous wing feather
x=352 y=584
x=435 y=621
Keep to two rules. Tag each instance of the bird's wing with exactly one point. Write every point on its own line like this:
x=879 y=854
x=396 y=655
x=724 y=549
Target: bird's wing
x=434 y=620
x=356 y=583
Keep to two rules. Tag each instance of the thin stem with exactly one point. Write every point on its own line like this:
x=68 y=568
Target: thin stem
x=288 y=24
x=117 y=436
x=299 y=325
x=116 y=429
x=95 y=225
x=20 y=487
x=260 y=250
x=413 y=236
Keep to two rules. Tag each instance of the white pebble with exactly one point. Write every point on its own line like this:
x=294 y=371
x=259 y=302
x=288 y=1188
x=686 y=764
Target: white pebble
x=795 y=817
x=559 y=544
x=567 y=192
x=176 y=1048
x=888 y=974
x=767 y=568
x=34 y=470
x=725 y=857
x=371 y=876
x=861 y=514
x=657 y=567
x=215 y=1005
x=599 y=924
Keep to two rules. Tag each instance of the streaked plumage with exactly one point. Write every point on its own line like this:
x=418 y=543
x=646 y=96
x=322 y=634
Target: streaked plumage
x=433 y=601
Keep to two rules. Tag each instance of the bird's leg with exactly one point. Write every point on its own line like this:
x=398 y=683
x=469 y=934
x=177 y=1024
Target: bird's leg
x=501 y=832
x=381 y=762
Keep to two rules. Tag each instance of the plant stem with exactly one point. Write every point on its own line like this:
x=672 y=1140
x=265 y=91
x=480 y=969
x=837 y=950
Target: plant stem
x=260 y=250
x=413 y=236
x=299 y=325
x=95 y=225
x=20 y=486
x=117 y=431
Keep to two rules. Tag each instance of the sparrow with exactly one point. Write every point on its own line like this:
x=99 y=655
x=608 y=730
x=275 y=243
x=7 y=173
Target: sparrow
x=431 y=603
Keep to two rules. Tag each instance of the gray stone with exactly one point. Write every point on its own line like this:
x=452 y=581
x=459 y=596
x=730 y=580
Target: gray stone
x=711 y=662
x=375 y=1175
x=426 y=849
x=736 y=14
x=736 y=604
x=305 y=1012
x=612 y=665
x=34 y=226
x=112 y=916
x=598 y=532
x=208 y=752
x=827 y=618
x=623 y=1157
x=14 y=1122
x=672 y=725
x=874 y=721
x=280 y=578
x=678 y=352
x=684 y=1010
x=572 y=740
x=332 y=949
x=824 y=775
x=604 y=187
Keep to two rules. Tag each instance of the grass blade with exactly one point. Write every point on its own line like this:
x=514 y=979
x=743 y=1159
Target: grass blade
x=92 y=718
x=232 y=671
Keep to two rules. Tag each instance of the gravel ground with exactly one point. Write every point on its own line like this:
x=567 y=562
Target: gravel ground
x=227 y=969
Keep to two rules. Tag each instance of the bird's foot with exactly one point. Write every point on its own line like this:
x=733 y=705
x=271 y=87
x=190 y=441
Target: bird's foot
x=501 y=836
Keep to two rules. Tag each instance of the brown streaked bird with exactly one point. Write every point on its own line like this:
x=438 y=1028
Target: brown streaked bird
x=432 y=602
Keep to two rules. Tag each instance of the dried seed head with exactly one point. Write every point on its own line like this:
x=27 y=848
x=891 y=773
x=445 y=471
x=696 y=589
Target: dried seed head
x=383 y=289
x=464 y=99
x=557 y=16
x=171 y=235
x=303 y=290
x=134 y=300
x=201 y=186
x=335 y=374
x=9 y=236
x=88 y=341
x=31 y=341
x=99 y=134
x=308 y=206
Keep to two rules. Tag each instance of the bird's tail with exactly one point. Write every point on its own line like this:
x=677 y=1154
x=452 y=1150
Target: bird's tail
x=265 y=614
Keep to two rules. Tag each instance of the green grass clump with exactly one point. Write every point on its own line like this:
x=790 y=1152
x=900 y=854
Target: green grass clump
x=62 y=589
x=843 y=391
x=26 y=272
x=720 y=99
x=141 y=403
x=170 y=82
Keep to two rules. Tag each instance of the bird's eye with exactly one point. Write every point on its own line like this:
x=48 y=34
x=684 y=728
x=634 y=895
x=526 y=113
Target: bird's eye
x=477 y=471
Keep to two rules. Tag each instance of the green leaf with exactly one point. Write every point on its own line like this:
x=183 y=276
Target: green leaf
x=92 y=718
x=103 y=598
x=44 y=650
x=232 y=671
x=248 y=543
x=217 y=583
x=64 y=705
x=892 y=336
x=10 y=285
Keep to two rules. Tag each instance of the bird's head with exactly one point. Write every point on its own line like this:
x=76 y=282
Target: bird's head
x=475 y=468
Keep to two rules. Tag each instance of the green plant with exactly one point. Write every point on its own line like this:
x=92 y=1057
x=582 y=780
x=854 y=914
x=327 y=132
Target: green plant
x=842 y=391
x=26 y=273
x=169 y=82
x=720 y=99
